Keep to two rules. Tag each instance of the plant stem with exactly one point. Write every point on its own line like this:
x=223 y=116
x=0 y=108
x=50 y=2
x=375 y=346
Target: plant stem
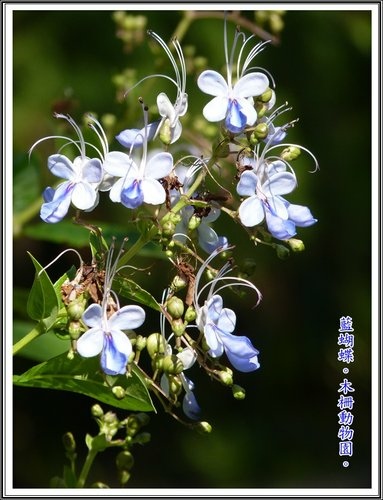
x=86 y=468
x=33 y=334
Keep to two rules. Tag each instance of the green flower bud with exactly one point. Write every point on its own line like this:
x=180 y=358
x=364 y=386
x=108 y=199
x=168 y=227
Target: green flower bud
x=238 y=392
x=175 y=385
x=118 y=391
x=253 y=139
x=142 y=419
x=194 y=222
x=266 y=96
x=282 y=252
x=97 y=411
x=261 y=108
x=226 y=378
x=190 y=314
x=100 y=485
x=76 y=308
x=178 y=327
x=157 y=362
x=296 y=245
x=203 y=427
x=178 y=283
x=75 y=329
x=290 y=153
x=124 y=476
x=142 y=438
x=175 y=307
x=155 y=344
x=124 y=460
x=276 y=23
x=172 y=364
x=165 y=132
x=169 y=253
x=140 y=343
x=261 y=130
x=168 y=228
x=69 y=442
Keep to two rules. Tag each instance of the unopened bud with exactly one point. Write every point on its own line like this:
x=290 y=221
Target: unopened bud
x=175 y=307
x=75 y=329
x=168 y=228
x=190 y=314
x=140 y=343
x=290 y=153
x=76 y=308
x=166 y=133
x=97 y=411
x=222 y=149
x=118 y=391
x=296 y=245
x=175 y=385
x=155 y=344
x=282 y=251
x=226 y=378
x=261 y=108
x=194 y=222
x=178 y=327
x=266 y=96
x=261 y=131
x=157 y=362
x=124 y=460
x=69 y=442
x=178 y=283
x=238 y=392
x=124 y=476
x=142 y=438
x=203 y=427
x=172 y=364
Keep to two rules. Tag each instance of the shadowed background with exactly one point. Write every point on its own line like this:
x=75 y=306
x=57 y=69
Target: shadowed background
x=284 y=434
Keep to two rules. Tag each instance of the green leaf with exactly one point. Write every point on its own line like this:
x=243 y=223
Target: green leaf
x=26 y=183
x=130 y=290
x=42 y=348
x=83 y=376
x=98 y=245
x=42 y=301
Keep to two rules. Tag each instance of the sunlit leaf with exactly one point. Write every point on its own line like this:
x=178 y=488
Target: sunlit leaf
x=42 y=301
x=83 y=376
x=42 y=348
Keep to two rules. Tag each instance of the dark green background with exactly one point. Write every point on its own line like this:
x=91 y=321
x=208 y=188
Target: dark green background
x=284 y=434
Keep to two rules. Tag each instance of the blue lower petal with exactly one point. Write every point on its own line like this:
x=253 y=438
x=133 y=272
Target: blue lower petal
x=113 y=362
x=132 y=196
x=235 y=119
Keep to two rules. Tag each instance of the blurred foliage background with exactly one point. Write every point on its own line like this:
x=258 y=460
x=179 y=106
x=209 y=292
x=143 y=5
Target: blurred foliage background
x=284 y=434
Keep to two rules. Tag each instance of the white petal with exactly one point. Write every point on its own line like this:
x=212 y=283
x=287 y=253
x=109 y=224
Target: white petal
x=278 y=207
x=252 y=84
x=92 y=315
x=92 y=171
x=118 y=164
x=127 y=318
x=159 y=166
x=187 y=357
x=61 y=166
x=251 y=212
x=213 y=83
x=216 y=109
x=247 y=183
x=281 y=183
x=154 y=193
x=165 y=107
x=226 y=321
x=83 y=196
x=90 y=343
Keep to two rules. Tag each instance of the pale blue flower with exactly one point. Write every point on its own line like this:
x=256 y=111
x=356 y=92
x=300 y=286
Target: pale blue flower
x=83 y=178
x=217 y=323
x=233 y=102
x=106 y=336
x=264 y=202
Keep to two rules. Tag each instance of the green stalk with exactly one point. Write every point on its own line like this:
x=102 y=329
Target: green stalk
x=86 y=468
x=33 y=334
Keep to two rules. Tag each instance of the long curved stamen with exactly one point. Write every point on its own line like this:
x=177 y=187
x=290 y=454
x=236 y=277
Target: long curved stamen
x=145 y=138
x=96 y=126
x=299 y=147
x=70 y=120
x=251 y=55
x=181 y=58
x=60 y=255
x=70 y=141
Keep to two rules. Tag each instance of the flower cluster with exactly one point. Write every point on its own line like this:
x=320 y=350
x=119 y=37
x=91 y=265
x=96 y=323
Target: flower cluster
x=190 y=193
